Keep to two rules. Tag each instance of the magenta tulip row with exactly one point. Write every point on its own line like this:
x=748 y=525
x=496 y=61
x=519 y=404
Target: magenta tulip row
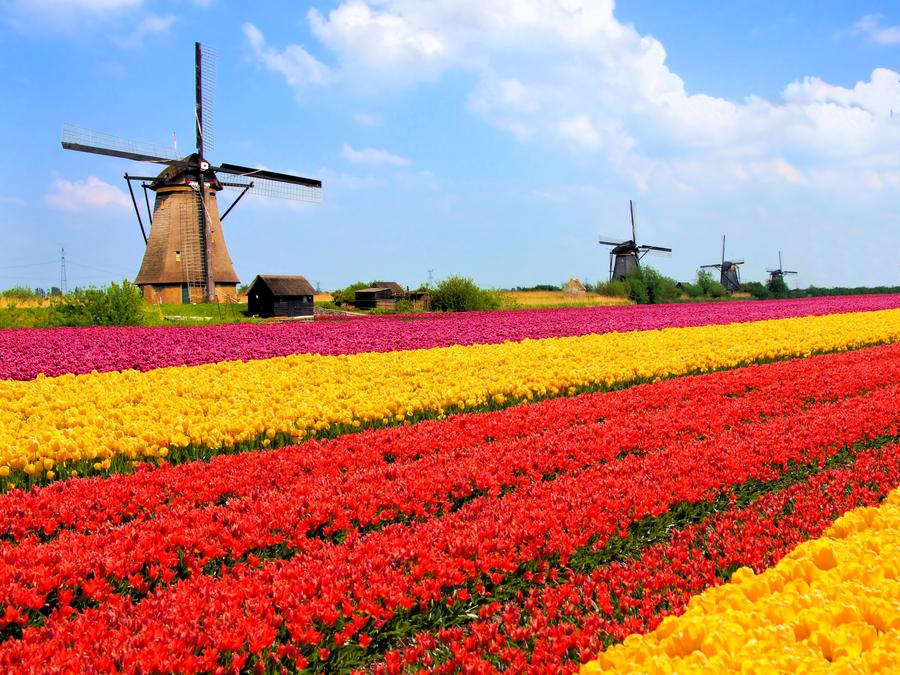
x=24 y=353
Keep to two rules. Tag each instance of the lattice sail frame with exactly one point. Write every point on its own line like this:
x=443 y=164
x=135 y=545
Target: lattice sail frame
x=270 y=188
x=208 y=74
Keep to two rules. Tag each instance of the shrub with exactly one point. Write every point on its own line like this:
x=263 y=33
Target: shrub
x=113 y=305
x=21 y=293
x=778 y=287
x=647 y=286
x=616 y=289
x=462 y=294
x=347 y=296
x=757 y=290
x=691 y=290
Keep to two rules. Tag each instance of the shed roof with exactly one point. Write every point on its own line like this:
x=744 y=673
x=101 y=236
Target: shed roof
x=285 y=284
x=393 y=286
x=373 y=289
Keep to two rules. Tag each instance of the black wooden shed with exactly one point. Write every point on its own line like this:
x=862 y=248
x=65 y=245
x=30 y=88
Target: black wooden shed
x=375 y=297
x=280 y=295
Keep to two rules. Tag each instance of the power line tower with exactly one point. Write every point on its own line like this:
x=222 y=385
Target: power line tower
x=430 y=272
x=62 y=270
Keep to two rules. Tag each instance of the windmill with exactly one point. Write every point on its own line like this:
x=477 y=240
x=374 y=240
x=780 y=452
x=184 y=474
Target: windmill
x=780 y=272
x=729 y=274
x=626 y=255
x=186 y=259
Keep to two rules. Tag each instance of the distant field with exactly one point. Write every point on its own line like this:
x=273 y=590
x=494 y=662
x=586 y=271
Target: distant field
x=560 y=299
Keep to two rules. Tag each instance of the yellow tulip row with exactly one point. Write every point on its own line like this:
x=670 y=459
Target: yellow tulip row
x=832 y=604
x=49 y=425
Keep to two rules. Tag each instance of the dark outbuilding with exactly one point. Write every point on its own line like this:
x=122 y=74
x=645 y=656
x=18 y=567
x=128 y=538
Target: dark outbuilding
x=375 y=297
x=280 y=295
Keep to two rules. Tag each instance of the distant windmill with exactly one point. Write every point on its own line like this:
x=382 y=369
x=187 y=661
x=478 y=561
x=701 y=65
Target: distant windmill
x=186 y=259
x=626 y=255
x=729 y=274
x=780 y=272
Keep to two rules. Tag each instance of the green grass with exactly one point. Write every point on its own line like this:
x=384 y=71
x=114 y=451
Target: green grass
x=204 y=314
x=154 y=315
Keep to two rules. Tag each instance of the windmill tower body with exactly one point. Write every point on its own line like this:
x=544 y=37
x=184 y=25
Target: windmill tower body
x=625 y=259
x=172 y=270
x=729 y=274
x=730 y=277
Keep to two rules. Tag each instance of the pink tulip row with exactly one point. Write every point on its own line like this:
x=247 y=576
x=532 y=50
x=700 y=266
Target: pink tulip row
x=25 y=353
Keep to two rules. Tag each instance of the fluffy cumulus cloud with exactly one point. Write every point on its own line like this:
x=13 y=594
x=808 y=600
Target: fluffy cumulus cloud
x=569 y=71
x=85 y=195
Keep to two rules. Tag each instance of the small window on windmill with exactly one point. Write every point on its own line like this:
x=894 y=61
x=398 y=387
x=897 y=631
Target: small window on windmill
x=178 y=256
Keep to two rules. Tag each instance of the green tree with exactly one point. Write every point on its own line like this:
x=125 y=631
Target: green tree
x=709 y=286
x=757 y=290
x=462 y=294
x=777 y=287
x=113 y=305
x=645 y=285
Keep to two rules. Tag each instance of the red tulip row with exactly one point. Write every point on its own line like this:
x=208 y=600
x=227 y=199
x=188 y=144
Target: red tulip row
x=327 y=603
x=180 y=541
x=556 y=626
x=703 y=404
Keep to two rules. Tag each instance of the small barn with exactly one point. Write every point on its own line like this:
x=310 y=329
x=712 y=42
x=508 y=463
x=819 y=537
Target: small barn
x=280 y=295
x=375 y=297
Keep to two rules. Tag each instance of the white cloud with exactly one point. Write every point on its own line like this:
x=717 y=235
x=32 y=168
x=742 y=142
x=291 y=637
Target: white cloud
x=568 y=71
x=298 y=66
x=89 y=194
x=149 y=25
x=373 y=156
x=872 y=28
x=126 y=23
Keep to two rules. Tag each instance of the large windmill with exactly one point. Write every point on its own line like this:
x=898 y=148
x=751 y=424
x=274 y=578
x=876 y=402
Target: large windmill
x=780 y=273
x=626 y=255
x=186 y=259
x=729 y=274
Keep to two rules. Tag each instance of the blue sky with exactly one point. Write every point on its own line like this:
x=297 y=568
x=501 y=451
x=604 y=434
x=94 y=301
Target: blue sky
x=494 y=140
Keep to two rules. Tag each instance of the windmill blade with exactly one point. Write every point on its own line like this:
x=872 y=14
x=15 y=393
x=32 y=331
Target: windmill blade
x=655 y=252
x=723 y=250
x=788 y=272
x=737 y=262
x=661 y=249
x=610 y=241
x=270 y=183
x=97 y=142
x=717 y=266
x=205 y=59
x=633 y=226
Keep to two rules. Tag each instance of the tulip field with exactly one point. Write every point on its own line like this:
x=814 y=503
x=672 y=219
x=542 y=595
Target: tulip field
x=705 y=487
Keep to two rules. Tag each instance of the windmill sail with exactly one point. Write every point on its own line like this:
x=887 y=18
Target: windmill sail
x=100 y=143
x=270 y=183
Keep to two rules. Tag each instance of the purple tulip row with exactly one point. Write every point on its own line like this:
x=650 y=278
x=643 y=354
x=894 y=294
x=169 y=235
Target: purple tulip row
x=26 y=352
